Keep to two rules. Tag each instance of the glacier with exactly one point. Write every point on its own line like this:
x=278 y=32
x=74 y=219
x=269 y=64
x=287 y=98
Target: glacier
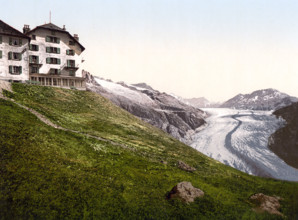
x=239 y=138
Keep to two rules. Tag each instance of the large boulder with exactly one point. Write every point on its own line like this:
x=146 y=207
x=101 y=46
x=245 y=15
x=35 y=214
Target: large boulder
x=186 y=192
x=266 y=203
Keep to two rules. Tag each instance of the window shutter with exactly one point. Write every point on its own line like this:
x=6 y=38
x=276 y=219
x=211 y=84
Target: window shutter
x=48 y=60
x=48 y=39
x=20 y=42
x=9 y=55
x=58 y=61
x=20 y=56
x=20 y=69
x=58 y=50
x=0 y=39
x=10 y=69
x=0 y=54
x=68 y=63
x=10 y=41
x=37 y=48
x=37 y=59
x=30 y=59
x=59 y=72
x=58 y=40
x=30 y=46
x=47 y=49
x=67 y=52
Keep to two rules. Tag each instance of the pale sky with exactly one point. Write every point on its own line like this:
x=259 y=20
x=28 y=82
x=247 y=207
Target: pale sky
x=192 y=48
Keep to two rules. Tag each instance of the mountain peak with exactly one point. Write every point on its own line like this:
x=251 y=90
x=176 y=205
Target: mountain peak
x=264 y=99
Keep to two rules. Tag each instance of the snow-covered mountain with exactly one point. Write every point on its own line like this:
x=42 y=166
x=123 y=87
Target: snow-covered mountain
x=201 y=102
x=266 y=99
x=159 y=109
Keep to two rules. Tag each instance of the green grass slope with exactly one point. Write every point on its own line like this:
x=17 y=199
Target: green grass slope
x=48 y=173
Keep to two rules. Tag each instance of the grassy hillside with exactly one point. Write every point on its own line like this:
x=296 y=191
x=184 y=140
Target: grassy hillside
x=49 y=173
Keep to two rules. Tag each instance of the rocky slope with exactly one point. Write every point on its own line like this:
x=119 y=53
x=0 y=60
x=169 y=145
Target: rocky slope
x=267 y=99
x=284 y=142
x=159 y=109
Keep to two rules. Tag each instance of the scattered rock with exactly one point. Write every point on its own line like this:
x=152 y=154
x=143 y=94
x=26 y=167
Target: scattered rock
x=186 y=167
x=164 y=162
x=186 y=192
x=266 y=203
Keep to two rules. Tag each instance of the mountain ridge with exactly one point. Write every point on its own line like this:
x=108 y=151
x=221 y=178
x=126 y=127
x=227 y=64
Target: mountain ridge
x=157 y=108
x=264 y=99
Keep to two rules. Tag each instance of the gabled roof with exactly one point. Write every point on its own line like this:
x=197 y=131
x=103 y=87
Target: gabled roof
x=53 y=27
x=6 y=29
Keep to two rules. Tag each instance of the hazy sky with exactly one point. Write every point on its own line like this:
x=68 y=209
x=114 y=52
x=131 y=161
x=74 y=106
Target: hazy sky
x=193 y=48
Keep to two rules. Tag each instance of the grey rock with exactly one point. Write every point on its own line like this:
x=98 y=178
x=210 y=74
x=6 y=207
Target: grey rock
x=186 y=192
x=266 y=203
x=185 y=166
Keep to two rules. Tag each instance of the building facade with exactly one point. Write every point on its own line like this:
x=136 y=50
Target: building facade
x=47 y=55
x=55 y=56
x=13 y=54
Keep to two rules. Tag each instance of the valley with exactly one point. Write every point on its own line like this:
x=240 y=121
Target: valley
x=239 y=138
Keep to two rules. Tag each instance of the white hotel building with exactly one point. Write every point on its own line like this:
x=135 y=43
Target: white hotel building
x=51 y=56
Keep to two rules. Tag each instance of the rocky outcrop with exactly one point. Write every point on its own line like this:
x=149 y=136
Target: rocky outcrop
x=185 y=166
x=284 y=142
x=186 y=192
x=266 y=99
x=266 y=203
x=159 y=109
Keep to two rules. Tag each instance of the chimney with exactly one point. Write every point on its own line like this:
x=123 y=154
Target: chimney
x=26 y=29
x=75 y=36
x=64 y=28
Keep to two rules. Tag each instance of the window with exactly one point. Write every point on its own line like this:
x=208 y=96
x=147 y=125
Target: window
x=70 y=52
x=53 y=33
x=34 y=69
x=0 y=54
x=0 y=39
x=15 y=70
x=33 y=47
x=34 y=59
x=71 y=42
x=33 y=37
x=55 y=71
x=71 y=63
x=15 y=41
x=14 y=56
x=53 y=39
x=53 y=50
x=72 y=72
x=53 y=60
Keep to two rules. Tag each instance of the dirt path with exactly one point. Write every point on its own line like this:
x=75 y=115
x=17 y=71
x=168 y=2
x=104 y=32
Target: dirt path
x=48 y=122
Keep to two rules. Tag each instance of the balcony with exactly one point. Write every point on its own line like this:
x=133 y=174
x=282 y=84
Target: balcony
x=71 y=66
x=35 y=63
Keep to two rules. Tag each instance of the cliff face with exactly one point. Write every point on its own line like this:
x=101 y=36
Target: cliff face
x=284 y=142
x=159 y=109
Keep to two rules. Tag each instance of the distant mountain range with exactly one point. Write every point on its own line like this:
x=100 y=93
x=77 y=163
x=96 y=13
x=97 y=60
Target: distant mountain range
x=159 y=109
x=201 y=103
x=266 y=99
